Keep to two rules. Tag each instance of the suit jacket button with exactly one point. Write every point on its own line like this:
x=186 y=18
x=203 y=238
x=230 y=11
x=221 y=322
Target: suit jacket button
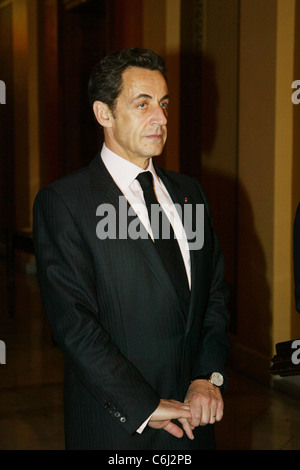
x=117 y=414
x=123 y=419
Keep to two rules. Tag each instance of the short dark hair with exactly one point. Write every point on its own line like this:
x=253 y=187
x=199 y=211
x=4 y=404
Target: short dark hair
x=105 y=82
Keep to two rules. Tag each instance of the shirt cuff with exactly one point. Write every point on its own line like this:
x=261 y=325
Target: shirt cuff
x=142 y=427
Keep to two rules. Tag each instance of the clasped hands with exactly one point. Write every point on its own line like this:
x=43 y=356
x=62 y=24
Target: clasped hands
x=203 y=404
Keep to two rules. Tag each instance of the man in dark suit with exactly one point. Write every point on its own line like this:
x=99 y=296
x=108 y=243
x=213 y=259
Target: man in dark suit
x=141 y=320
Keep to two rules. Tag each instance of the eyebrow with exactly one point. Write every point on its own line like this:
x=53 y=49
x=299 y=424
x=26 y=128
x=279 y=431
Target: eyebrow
x=144 y=95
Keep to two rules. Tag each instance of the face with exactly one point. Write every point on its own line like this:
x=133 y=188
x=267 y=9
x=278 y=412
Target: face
x=137 y=129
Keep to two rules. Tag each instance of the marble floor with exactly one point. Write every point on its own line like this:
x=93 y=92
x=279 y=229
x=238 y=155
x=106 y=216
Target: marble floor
x=31 y=412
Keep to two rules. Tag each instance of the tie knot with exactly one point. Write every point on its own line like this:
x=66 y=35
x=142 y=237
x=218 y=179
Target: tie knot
x=145 y=179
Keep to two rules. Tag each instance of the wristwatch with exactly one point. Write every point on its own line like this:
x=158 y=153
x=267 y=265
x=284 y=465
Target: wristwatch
x=216 y=379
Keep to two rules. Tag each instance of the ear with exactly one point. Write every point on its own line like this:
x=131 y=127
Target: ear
x=102 y=113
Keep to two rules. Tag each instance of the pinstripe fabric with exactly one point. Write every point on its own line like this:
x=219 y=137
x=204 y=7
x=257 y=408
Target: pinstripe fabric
x=117 y=318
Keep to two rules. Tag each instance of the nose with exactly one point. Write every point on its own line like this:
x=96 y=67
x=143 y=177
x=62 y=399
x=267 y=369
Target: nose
x=159 y=116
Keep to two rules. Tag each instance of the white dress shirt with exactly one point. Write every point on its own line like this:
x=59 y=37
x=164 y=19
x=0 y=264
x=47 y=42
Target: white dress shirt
x=124 y=174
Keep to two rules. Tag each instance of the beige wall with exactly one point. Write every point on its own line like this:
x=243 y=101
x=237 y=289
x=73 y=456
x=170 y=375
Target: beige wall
x=33 y=105
x=219 y=159
x=20 y=65
x=266 y=140
x=25 y=46
x=162 y=34
x=256 y=146
x=296 y=153
x=283 y=181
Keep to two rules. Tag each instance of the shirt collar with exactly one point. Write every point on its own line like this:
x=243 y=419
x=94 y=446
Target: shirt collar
x=123 y=171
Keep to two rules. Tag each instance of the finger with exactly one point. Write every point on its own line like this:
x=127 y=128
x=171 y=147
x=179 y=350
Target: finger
x=197 y=416
x=168 y=410
x=219 y=411
x=179 y=405
x=173 y=429
x=196 y=409
x=205 y=416
x=176 y=412
x=187 y=428
x=216 y=412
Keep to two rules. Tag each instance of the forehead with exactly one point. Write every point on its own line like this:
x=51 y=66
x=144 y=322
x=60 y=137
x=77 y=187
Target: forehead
x=137 y=80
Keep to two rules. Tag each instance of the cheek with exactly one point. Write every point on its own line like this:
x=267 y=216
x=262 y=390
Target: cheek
x=124 y=129
x=130 y=129
x=135 y=129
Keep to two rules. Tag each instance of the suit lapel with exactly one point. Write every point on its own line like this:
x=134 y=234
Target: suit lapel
x=106 y=191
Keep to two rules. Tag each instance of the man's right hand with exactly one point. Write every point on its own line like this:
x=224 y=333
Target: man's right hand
x=168 y=410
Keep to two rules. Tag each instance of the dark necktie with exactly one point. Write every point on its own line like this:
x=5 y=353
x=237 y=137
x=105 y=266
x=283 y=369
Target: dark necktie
x=164 y=238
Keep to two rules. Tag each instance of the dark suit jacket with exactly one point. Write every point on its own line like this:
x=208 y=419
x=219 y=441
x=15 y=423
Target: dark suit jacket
x=117 y=318
x=297 y=257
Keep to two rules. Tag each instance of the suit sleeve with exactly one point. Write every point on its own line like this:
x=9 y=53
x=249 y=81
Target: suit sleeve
x=296 y=254
x=67 y=283
x=213 y=350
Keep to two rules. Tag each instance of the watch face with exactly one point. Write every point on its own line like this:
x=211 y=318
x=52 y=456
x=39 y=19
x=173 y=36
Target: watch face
x=217 y=379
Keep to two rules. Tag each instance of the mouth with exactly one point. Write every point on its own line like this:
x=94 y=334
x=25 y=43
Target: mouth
x=154 y=136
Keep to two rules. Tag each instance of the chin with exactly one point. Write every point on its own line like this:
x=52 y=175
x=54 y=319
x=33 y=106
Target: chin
x=157 y=149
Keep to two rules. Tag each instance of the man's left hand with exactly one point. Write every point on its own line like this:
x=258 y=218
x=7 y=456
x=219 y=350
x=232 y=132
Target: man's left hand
x=206 y=403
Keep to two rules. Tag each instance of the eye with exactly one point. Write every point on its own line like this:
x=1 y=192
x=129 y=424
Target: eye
x=164 y=105
x=142 y=105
